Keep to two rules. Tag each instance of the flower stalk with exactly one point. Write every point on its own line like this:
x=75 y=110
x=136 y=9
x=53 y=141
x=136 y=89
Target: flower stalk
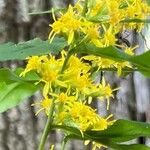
x=48 y=127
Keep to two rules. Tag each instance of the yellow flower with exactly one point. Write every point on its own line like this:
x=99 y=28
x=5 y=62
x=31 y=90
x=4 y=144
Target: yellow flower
x=130 y=50
x=34 y=63
x=116 y=14
x=77 y=73
x=68 y=23
x=91 y=31
x=63 y=101
x=106 y=92
x=101 y=124
x=86 y=118
x=121 y=65
x=137 y=9
x=44 y=105
x=99 y=61
x=109 y=36
x=49 y=73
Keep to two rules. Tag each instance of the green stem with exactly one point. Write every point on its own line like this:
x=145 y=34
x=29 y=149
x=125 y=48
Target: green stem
x=85 y=8
x=65 y=62
x=63 y=145
x=47 y=127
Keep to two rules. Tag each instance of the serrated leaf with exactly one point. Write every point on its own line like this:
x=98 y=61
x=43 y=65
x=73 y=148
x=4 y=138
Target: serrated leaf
x=12 y=94
x=11 y=51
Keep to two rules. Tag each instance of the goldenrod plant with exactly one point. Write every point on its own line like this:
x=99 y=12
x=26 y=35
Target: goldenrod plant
x=66 y=79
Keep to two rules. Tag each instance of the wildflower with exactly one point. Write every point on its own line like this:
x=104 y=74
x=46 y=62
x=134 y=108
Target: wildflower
x=121 y=65
x=103 y=91
x=109 y=36
x=137 y=10
x=92 y=32
x=50 y=73
x=63 y=101
x=85 y=117
x=34 y=63
x=130 y=50
x=116 y=14
x=68 y=23
x=99 y=61
x=44 y=105
x=78 y=111
x=76 y=64
x=102 y=124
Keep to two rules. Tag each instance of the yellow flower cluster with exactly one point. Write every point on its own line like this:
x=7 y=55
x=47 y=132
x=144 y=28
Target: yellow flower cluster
x=71 y=90
x=101 y=22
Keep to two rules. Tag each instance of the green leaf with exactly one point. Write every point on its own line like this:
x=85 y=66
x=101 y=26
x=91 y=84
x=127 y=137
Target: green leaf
x=99 y=18
x=108 y=52
x=136 y=20
x=11 y=51
x=116 y=146
x=9 y=76
x=122 y=130
x=12 y=94
x=132 y=147
x=13 y=89
x=140 y=61
x=148 y=2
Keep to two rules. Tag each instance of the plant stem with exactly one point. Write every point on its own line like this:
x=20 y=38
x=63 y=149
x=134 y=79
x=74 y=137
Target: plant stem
x=47 y=127
x=85 y=8
x=63 y=145
x=65 y=62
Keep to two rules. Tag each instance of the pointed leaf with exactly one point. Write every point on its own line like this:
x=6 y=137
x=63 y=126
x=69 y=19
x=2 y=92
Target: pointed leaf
x=122 y=130
x=11 y=51
x=141 y=61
